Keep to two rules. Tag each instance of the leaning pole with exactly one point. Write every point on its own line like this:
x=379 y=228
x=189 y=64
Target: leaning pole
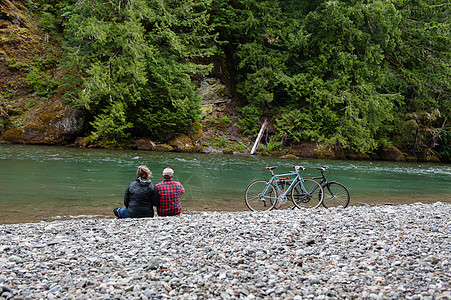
x=259 y=136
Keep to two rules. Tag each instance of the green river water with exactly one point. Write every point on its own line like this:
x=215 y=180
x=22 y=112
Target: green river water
x=47 y=183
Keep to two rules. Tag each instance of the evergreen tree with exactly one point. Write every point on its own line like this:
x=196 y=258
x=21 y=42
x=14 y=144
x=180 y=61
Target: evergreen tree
x=135 y=59
x=420 y=70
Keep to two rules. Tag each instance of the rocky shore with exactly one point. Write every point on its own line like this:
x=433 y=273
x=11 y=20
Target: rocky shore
x=379 y=252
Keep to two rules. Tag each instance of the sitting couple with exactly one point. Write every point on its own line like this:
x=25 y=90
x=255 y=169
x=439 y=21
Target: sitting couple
x=142 y=195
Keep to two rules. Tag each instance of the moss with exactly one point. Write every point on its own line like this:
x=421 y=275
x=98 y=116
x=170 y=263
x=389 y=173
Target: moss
x=82 y=142
x=289 y=156
x=195 y=132
x=14 y=64
x=358 y=156
x=264 y=153
x=12 y=135
x=193 y=149
x=227 y=151
x=391 y=153
x=411 y=158
x=163 y=148
x=180 y=142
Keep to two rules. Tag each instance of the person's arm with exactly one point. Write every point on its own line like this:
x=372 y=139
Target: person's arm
x=127 y=197
x=182 y=189
x=155 y=197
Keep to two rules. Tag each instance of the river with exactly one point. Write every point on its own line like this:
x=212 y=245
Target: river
x=48 y=183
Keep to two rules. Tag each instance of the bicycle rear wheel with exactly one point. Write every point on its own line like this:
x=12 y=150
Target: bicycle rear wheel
x=335 y=195
x=312 y=197
x=256 y=200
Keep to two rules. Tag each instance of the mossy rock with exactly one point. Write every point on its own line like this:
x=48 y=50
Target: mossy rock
x=82 y=142
x=411 y=158
x=358 y=156
x=163 y=148
x=391 y=153
x=213 y=91
x=181 y=142
x=227 y=151
x=144 y=144
x=192 y=149
x=195 y=133
x=311 y=149
x=277 y=153
x=49 y=123
x=264 y=153
x=12 y=135
x=429 y=155
x=289 y=156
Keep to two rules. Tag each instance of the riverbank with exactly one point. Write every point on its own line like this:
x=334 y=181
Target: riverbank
x=59 y=211
x=374 y=252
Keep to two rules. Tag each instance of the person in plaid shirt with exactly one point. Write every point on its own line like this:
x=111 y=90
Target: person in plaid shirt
x=170 y=192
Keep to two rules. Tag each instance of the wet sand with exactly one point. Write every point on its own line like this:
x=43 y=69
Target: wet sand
x=51 y=213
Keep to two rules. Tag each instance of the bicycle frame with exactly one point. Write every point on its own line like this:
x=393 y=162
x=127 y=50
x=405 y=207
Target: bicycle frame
x=262 y=195
x=324 y=182
x=282 y=194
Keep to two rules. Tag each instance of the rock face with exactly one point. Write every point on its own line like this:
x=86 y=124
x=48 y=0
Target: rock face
x=391 y=153
x=52 y=125
x=184 y=143
x=309 y=149
x=212 y=91
x=144 y=144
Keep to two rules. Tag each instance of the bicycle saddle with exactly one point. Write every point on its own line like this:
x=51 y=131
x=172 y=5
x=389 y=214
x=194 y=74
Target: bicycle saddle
x=270 y=168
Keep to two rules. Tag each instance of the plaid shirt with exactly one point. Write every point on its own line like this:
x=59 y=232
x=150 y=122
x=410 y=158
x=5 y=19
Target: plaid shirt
x=170 y=192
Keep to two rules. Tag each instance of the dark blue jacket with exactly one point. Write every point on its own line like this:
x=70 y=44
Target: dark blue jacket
x=140 y=197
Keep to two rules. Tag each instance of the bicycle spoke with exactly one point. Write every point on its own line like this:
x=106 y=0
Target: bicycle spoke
x=311 y=196
x=257 y=199
x=335 y=195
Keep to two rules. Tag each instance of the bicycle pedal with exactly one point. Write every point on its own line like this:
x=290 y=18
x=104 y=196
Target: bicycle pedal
x=279 y=206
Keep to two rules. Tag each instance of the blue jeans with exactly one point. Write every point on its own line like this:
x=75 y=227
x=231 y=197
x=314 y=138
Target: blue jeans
x=121 y=212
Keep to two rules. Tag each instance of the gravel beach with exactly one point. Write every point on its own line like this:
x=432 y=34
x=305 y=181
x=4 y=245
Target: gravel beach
x=377 y=252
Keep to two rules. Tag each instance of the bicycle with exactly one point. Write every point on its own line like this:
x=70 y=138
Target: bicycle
x=264 y=195
x=335 y=193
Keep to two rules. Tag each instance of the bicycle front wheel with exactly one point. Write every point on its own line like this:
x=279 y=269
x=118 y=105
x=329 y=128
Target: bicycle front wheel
x=310 y=197
x=335 y=195
x=260 y=195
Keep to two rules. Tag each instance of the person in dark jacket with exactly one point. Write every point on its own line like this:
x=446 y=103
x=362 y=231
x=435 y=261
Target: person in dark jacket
x=140 y=197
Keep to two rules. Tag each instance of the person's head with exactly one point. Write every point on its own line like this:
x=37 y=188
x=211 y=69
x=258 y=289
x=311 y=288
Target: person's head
x=143 y=172
x=168 y=173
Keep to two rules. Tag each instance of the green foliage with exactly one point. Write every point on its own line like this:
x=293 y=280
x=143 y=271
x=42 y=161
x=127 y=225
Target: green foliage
x=420 y=70
x=111 y=125
x=357 y=74
x=14 y=64
x=226 y=119
x=221 y=142
x=341 y=71
x=273 y=144
x=48 y=22
x=444 y=143
x=240 y=147
x=212 y=119
x=41 y=83
x=139 y=54
x=250 y=119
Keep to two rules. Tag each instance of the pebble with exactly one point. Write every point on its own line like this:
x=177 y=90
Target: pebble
x=377 y=252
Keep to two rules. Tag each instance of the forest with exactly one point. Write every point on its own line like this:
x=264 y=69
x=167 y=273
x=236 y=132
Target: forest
x=354 y=74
